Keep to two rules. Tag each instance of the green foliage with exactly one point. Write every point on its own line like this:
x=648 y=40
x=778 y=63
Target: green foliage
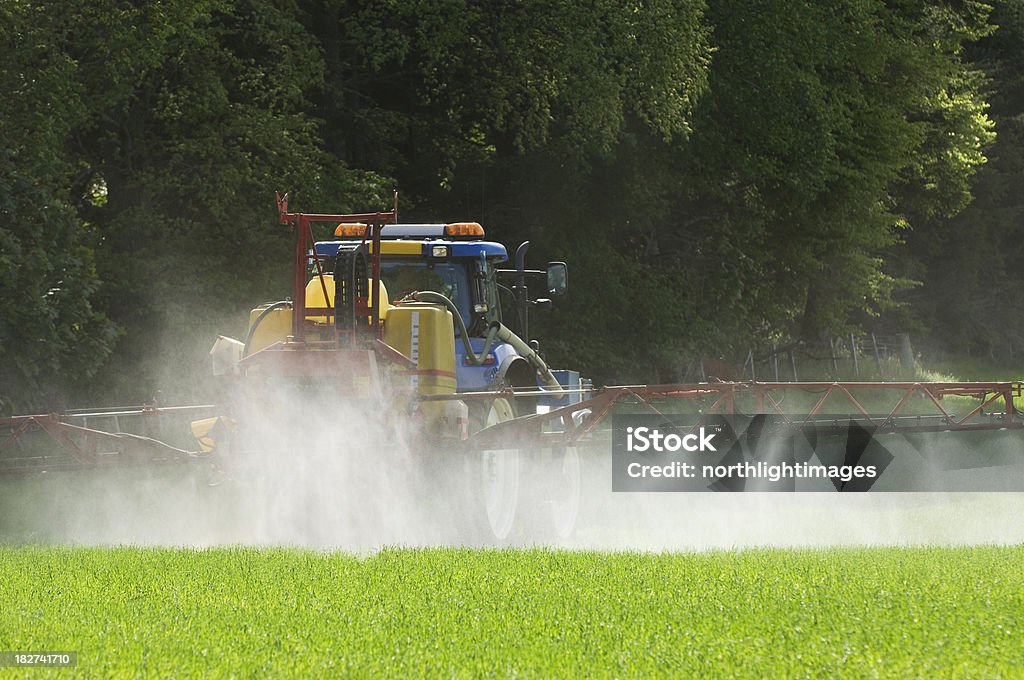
x=816 y=116
x=778 y=613
x=416 y=88
x=971 y=301
x=51 y=332
x=719 y=174
x=191 y=115
x=826 y=132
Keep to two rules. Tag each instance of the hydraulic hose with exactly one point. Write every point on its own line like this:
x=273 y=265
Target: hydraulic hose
x=259 y=319
x=496 y=331
x=438 y=299
x=525 y=351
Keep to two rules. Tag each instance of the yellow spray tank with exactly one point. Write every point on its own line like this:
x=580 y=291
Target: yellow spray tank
x=425 y=333
x=272 y=322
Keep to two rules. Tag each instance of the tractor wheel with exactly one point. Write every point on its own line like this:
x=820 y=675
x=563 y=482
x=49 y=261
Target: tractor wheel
x=494 y=480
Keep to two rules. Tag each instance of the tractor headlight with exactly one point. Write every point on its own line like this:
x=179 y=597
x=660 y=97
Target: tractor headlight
x=439 y=251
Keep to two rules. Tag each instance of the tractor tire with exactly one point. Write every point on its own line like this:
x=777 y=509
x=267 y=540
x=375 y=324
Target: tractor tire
x=493 y=482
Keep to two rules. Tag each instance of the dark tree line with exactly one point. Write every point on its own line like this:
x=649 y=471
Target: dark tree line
x=970 y=296
x=719 y=174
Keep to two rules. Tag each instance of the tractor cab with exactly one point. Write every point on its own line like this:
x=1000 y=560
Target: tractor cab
x=455 y=261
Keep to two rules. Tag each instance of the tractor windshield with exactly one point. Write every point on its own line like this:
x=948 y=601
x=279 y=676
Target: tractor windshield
x=448 y=278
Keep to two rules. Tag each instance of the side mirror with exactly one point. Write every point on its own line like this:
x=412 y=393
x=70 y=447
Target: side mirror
x=558 y=278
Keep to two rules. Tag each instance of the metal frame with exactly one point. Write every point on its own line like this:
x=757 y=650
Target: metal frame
x=332 y=358
x=305 y=244
x=561 y=426
x=87 y=447
x=564 y=426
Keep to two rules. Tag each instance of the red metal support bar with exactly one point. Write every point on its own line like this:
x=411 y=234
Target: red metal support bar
x=853 y=400
x=320 y=277
x=299 y=281
x=821 y=402
x=985 y=402
x=59 y=432
x=898 y=407
x=81 y=445
x=304 y=239
x=946 y=414
x=533 y=428
x=377 y=227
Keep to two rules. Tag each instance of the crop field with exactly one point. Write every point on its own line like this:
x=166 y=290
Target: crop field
x=892 y=612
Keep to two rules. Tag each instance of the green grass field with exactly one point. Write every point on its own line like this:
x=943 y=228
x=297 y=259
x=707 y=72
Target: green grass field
x=245 y=612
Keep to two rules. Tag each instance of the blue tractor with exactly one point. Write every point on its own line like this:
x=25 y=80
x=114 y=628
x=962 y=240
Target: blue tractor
x=454 y=261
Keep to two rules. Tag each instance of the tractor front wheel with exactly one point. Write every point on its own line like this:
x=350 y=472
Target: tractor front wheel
x=494 y=477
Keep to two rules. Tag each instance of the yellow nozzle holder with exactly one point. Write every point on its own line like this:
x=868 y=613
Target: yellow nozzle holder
x=208 y=430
